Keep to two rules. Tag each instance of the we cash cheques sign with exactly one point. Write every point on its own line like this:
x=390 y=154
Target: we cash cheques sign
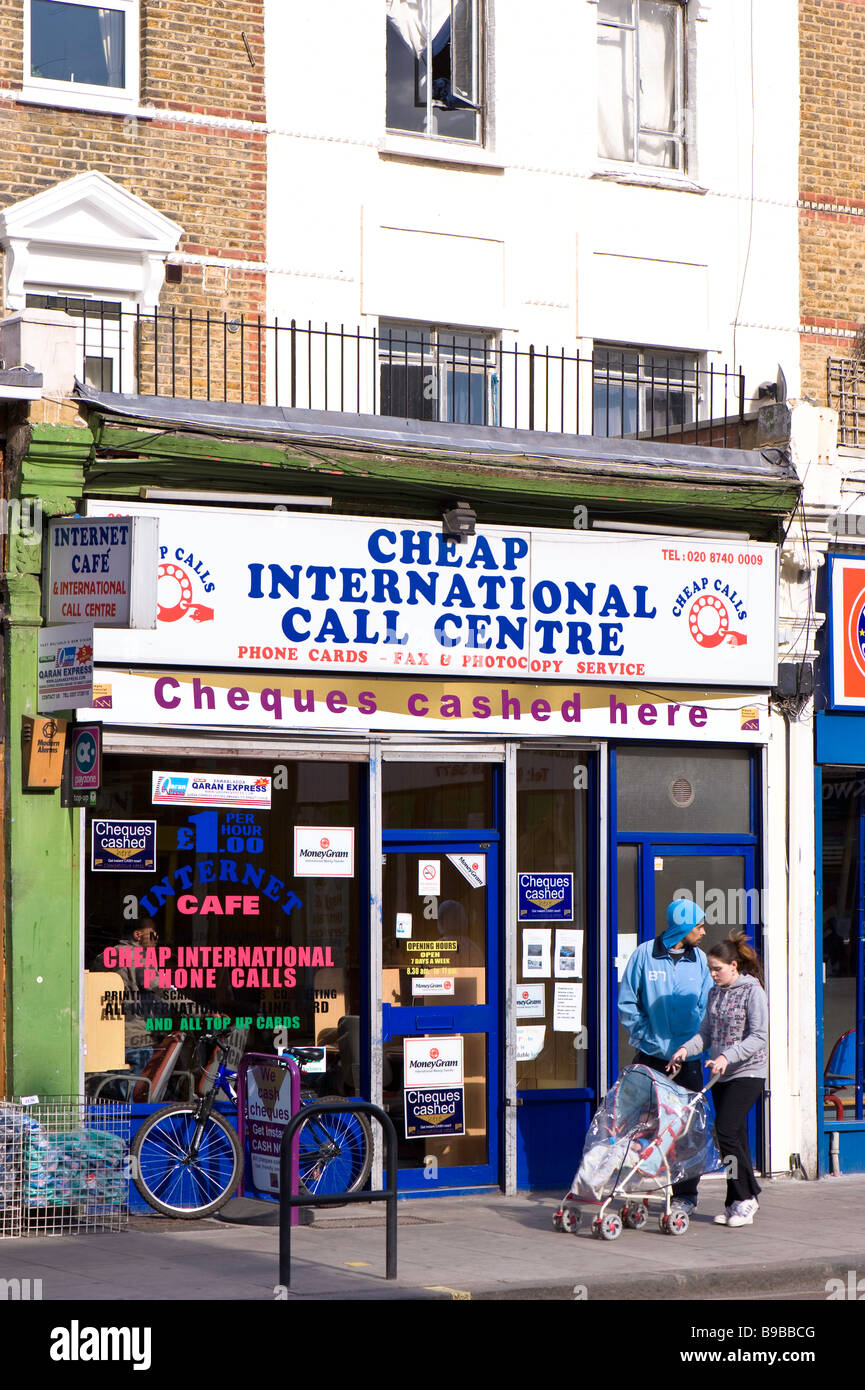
x=347 y=596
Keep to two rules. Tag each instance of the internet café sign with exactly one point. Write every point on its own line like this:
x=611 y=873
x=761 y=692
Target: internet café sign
x=353 y=596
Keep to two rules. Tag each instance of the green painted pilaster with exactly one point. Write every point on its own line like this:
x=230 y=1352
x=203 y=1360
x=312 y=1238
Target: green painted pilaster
x=42 y=865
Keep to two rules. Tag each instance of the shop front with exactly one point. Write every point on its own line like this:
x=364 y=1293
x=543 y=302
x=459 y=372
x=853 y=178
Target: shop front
x=413 y=802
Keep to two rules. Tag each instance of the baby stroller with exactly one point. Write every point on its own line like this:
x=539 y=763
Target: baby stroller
x=647 y=1135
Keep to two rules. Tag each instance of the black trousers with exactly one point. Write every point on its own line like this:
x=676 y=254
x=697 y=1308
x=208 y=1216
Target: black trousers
x=733 y=1099
x=691 y=1077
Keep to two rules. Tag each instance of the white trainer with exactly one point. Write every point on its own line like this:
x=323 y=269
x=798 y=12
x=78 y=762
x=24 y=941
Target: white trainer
x=723 y=1218
x=745 y=1213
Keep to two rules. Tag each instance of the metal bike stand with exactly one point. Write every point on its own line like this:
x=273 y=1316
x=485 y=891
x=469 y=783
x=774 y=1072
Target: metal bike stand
x=288 y=1203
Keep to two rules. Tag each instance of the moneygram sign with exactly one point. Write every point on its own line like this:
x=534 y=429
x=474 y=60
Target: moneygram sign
x=348 y=596
x=433 y=1061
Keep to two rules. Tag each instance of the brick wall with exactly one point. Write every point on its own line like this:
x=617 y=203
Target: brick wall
x=204 y=58
x=831 y=184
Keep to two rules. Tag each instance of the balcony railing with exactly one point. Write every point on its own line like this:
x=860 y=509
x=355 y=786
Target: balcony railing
x=407 y=373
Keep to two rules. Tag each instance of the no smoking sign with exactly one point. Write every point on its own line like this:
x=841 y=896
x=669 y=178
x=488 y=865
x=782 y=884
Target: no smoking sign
x=429 y=877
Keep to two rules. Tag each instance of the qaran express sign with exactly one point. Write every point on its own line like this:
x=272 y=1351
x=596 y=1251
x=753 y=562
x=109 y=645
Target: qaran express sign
x=355 y=596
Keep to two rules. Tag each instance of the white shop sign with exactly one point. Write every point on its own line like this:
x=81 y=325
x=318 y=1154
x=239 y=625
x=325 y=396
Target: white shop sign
x=350 y=595
x=102 y=570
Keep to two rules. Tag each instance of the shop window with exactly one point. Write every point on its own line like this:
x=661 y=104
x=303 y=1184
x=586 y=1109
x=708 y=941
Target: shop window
x=242 y=935
x=431 y=373
x=641 y=82
x=637 y=390
x=433 y=67
x=437 y=796
x=683 y=791
x=552 y=809
x=842 y=948
x=77 y=53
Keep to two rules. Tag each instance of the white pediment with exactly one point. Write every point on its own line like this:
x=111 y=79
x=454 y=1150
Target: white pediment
x=97 y=220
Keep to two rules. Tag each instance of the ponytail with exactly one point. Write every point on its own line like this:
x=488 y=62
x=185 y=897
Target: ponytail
x=736 y=948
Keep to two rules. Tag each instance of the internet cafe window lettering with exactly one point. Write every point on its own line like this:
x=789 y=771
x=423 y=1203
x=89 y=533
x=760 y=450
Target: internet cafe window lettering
x=222 y=928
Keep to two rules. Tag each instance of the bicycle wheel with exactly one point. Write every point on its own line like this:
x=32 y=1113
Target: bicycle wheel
x=335 y=1152
x=172 y=1182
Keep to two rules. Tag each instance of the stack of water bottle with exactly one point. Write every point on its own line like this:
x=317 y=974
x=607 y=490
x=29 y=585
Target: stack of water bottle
x=63 y=1166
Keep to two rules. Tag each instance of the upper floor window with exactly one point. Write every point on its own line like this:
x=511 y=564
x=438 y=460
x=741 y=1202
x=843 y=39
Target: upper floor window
x=433 y=67
x=430 y=373
x=103 y=341
x=642 y=391
x=641 y=82
x=80 y=54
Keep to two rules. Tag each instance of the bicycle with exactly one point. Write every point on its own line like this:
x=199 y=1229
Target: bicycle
x=187 y=1161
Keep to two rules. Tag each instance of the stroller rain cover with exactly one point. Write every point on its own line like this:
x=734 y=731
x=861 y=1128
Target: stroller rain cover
x=647 y=1133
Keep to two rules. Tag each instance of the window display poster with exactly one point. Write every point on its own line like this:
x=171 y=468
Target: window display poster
x=567 y=1008
x=545 y=897
x=322 y=851
x=403 y=925
x=531 y=1001
x=627 y=947
x=530 y=1041
x=433 y=1061
x=568 y=955
x=429 y=877
x=211 y=789
x=473 y=868
x=537 y=942
x=123 y=846
x=433 y=1111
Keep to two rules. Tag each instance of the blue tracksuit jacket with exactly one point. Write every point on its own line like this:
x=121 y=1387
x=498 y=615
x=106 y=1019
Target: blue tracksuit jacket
x=662 y=1001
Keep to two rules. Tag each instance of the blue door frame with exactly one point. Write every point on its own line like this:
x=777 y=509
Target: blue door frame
x=458 y=1020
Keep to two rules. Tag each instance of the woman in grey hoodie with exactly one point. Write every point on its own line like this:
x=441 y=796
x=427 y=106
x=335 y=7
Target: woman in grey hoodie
x=735 y=1030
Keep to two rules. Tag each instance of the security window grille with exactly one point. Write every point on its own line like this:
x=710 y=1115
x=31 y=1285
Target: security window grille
x=642 y=391
x=641 y=82
x=98 y=338
x=433 y=69
x=846 y=394
x=430 y=373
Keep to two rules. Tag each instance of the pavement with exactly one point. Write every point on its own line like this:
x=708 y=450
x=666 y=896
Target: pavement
x=482 y=1247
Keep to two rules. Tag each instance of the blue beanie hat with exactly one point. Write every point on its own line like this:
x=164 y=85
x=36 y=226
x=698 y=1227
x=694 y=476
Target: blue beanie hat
x=682 y=916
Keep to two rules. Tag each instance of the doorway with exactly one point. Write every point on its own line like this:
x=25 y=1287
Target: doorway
x=440 y=1023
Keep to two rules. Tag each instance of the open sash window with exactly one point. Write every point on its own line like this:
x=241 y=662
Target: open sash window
x=433 y=67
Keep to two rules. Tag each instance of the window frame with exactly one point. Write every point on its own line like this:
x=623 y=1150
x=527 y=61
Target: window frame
x=642 y=378
x=113 y=333
x=475 y=104
x=83 y=95
x=426 y=348
x=683 y=138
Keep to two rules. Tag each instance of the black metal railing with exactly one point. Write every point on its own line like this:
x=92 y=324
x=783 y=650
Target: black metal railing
x=467 y=379
x=289 y=1200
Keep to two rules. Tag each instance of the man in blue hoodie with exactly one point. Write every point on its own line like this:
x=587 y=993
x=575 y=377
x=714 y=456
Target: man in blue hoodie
x=662 y=1000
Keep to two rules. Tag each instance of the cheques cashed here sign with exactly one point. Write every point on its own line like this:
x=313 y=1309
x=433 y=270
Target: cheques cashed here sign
x=353 y=595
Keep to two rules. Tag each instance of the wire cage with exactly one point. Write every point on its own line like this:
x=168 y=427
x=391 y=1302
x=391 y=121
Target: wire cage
x=12 y=1130
x=65 y=1166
